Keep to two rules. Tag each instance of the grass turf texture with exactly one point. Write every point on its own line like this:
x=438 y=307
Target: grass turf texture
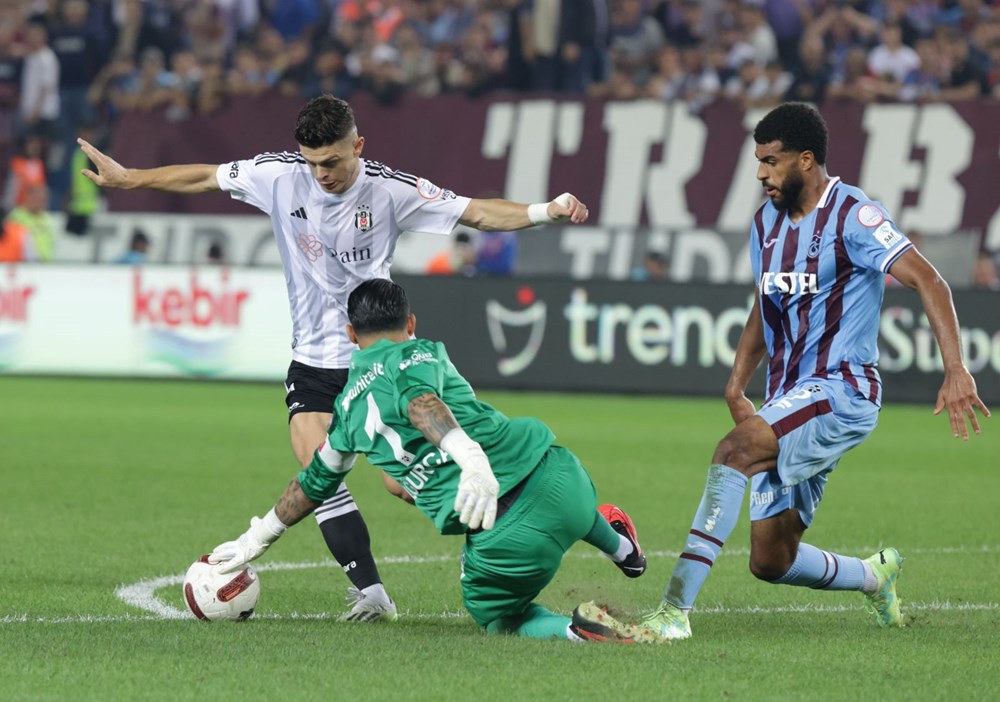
x=108 y=483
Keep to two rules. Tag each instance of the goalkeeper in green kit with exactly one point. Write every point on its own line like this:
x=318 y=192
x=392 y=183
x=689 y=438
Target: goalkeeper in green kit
x=520 y=500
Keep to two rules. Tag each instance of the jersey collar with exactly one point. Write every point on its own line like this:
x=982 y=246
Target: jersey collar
x=826 y=193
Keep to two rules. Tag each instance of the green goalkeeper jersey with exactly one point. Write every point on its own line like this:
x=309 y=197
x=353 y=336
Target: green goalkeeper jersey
x=371 y=418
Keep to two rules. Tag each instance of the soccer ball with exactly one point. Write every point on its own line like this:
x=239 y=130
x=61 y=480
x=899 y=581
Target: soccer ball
x=212 y=596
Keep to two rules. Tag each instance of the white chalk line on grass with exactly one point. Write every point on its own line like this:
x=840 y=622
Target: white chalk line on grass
x=142 y=595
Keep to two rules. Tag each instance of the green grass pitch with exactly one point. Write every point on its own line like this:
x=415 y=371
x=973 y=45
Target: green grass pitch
x=111 y=485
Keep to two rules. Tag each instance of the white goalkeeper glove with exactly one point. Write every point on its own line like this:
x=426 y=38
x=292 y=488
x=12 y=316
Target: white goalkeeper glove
x=476 y=501
x=233 y=555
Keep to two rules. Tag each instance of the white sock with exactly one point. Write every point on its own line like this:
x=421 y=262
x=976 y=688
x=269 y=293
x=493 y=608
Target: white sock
x=871 y=582
x=571 y=635
x=625 y=550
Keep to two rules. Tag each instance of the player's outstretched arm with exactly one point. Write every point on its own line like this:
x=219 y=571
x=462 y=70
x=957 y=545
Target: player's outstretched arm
x=958 y=392
x=190 y=178
x=749 y=352
x=476 y=499
x=504 y=215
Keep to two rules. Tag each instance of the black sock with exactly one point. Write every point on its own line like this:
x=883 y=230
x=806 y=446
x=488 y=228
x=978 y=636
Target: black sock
x=348 y=540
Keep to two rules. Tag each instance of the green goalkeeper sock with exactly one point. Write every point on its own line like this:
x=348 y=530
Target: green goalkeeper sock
x=535 y=623
x=602 y=537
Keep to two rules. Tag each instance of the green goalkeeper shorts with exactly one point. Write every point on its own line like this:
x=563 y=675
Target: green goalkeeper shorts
x=506 y=567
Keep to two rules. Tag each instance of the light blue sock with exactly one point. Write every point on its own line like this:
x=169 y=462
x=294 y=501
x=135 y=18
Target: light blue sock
x=535 y=623
x=822 y=570
x=713 y=523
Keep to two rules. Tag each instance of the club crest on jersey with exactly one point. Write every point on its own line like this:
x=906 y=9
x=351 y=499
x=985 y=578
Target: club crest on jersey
x=363 y=218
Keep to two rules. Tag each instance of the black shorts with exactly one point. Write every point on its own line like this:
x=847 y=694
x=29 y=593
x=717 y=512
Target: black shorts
x=309 y=389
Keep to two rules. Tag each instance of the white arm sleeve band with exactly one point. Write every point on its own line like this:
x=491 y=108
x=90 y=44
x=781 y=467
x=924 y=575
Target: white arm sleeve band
x=336 y=461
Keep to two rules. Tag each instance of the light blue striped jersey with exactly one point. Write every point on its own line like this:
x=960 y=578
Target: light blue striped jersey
x=820 y=283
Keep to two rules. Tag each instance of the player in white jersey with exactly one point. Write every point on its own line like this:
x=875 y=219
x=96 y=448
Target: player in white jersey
x=336 y=220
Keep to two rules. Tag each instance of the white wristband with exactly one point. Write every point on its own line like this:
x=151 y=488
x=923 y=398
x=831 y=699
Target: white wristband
x=457 y=443
x=538 y=213
x=274 y=526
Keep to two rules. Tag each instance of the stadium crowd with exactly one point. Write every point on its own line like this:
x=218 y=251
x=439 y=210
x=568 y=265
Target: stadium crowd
x=71 y=67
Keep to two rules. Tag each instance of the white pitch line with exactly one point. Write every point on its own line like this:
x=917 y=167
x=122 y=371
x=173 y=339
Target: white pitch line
x=142 y=595
x=935 y=606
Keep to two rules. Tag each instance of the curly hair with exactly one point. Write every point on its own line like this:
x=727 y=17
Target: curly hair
x=798 y=126
x=323 y=121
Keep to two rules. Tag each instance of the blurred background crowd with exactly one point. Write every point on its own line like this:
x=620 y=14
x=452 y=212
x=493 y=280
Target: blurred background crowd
x=70 y=68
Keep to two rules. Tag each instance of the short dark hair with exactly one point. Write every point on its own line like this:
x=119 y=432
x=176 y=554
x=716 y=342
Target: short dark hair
x=378 y=305
x=323 y=121
x=798 y=126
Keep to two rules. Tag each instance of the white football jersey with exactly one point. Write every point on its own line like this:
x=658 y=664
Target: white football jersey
x=331 y=243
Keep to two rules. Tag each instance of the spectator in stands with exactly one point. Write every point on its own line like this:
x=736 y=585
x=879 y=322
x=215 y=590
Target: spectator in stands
x=416 y=62
x=757 y=33
x=788 y=19
x=813 y=75
x=185 y=84
x=296 y=69
x=636 y=39
x=667 y=81
x=110 y=90
x=991 y=79
x=247 y=77
x=684 y=23
x=842 y=28
x=458 y=259
x=138 y=248
x=654 y=267
x=39 y=106
x=964 y=81
x=212 y=88
x=924 y=83
x=84 y=195
x=380 y=75
x=733 y=42
x=701 y=82
x=854 y=82
x=329 y=75
x=585 y=29
x=216 y=255
x=81 y=53
x=497 y=253
x=34 y=216
x=892 y=60
x=911 y=26
x=984 y=275
x=25 y=170
x=15 y=243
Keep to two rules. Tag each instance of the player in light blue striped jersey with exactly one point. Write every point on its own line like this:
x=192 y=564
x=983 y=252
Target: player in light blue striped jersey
x=820 y=251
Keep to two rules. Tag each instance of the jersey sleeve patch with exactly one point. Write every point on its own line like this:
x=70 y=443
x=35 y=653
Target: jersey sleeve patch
x=887 y=236
x=870 y=216
x=427 y=189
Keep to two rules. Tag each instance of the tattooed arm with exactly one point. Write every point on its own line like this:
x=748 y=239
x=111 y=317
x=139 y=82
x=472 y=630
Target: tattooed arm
x=293 y=505
x=431 y=416
x=476 y=499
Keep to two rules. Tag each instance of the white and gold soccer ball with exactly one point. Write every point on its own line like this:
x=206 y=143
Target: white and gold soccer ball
x=213 y=596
